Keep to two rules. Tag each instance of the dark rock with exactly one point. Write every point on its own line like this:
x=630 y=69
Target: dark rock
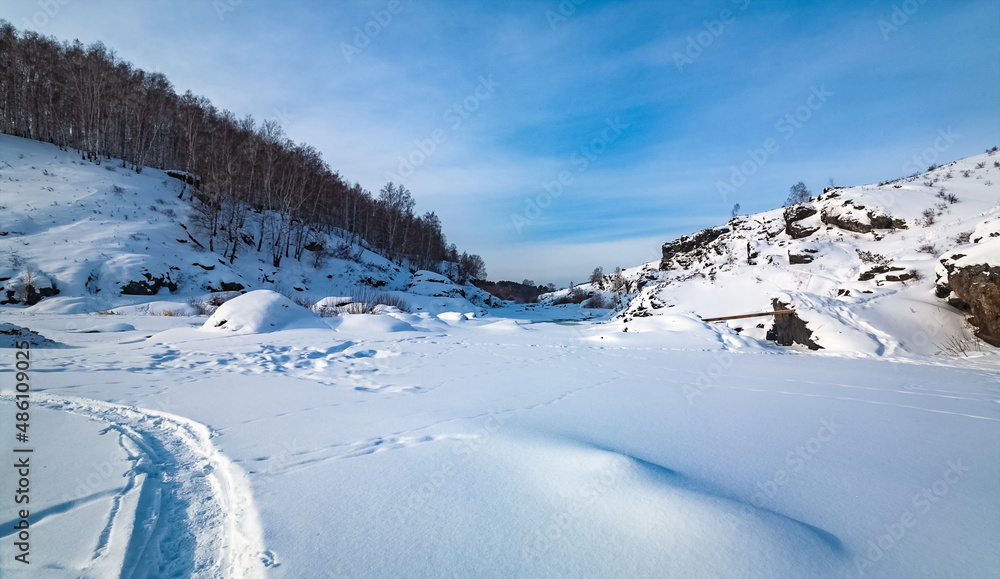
x=978 y=287
x=689 y=244
x=150 y=286
x=751 y=255
x=797 y=213
x=790 y=329
x=845 y=222
x=31 y=294
x=798 y=258
x=885 y=222
x=872 y=221
x=798 y=231
x=878 y=270
x=901 y=277
x=226 y=286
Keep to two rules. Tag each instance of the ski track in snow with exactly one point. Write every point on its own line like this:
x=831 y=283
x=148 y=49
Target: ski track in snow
x=194 y=511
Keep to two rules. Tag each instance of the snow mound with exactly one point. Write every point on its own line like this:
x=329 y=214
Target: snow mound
x=64 y=305
x=261 y=311
x=158 y=308
x=370 y=324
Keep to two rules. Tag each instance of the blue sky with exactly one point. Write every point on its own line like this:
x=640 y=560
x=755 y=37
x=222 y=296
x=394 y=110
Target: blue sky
x=640 y=108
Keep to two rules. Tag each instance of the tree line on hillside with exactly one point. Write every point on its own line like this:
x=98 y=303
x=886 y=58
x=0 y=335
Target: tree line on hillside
x=253 y=187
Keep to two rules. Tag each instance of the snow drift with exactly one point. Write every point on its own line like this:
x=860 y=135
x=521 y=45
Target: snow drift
x=261 y=311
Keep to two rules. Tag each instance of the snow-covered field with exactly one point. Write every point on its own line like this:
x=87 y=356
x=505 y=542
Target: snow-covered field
x=457 y=440
x=509 y=446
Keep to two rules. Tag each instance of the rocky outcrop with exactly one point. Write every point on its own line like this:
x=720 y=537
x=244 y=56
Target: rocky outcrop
x=28 y=289
x=801 y=258
x=682 y=251
x=790 y=329
x=975 y=289
x=797 y=213
x=226 y=286
x=883 y=269
x=856 y=218
x=148 y=286
x=880 y=221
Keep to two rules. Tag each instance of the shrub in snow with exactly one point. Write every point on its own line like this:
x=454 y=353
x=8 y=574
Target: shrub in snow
x=363 y=301
x=575 y=296
x=929 y=217
x=963 y=238
x=961 y=345
x=871 y=257
x=599 y=302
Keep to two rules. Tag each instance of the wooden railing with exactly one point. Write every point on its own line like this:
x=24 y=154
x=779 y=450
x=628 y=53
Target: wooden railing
x=776 y=313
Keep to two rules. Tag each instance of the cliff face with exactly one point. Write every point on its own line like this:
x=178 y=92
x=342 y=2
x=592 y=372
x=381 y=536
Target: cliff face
x=969 y=279
x=684 y=251
x=978 y=288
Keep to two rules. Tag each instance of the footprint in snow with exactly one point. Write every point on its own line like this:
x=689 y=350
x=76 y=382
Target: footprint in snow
x=268 y=559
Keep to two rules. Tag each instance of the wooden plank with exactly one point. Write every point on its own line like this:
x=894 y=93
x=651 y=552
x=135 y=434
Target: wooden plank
x=777 y=313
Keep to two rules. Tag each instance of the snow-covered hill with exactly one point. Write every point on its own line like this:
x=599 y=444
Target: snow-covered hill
x=77 y=237
x=869 y=269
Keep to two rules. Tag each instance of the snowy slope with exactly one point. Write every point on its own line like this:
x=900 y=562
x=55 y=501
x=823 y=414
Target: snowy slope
x=862 y=290
x=96 y=231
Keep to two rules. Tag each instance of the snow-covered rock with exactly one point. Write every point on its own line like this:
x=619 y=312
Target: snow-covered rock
x=261 y=311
